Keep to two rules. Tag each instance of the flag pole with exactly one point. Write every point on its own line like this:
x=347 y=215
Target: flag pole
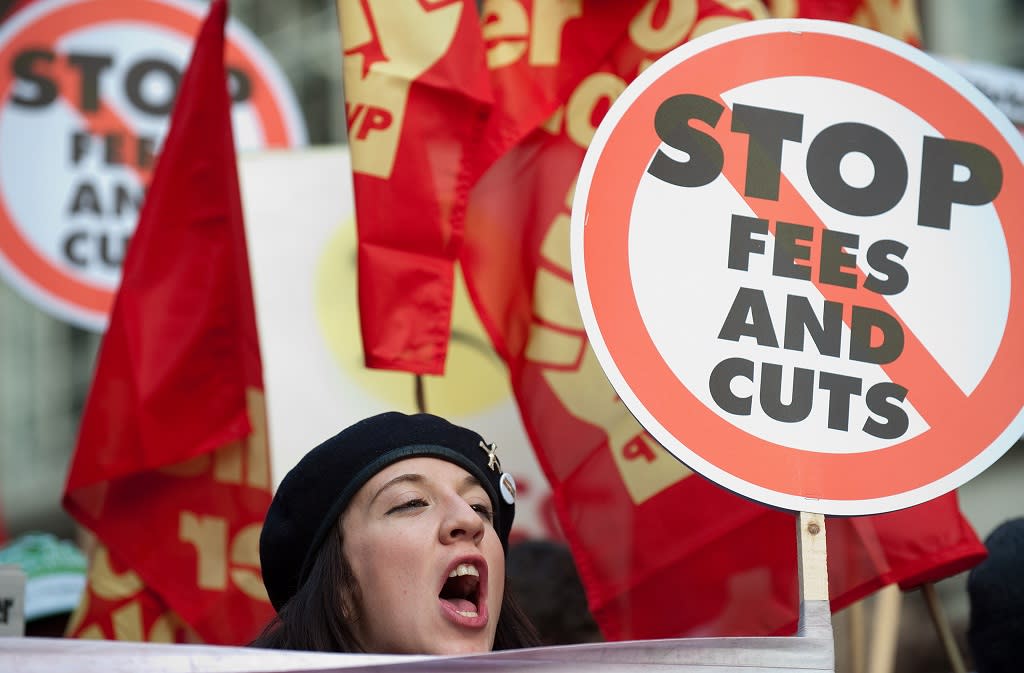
x=857 y=637
x=885 y=629
x=942 y=628
x=420 y=394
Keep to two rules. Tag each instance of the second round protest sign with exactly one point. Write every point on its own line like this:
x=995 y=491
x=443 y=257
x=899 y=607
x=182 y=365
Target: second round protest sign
x=793 y=252
x=86 y=92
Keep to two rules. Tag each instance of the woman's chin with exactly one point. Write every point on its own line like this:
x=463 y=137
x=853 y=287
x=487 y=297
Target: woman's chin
x=460 y=646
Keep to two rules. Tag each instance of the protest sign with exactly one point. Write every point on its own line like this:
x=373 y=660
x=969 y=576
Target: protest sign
x=793 y=252
x=88 y=87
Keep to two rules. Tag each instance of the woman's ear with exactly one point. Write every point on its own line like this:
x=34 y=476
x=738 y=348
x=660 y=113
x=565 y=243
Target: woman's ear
x=348 y=605
x=349 y=596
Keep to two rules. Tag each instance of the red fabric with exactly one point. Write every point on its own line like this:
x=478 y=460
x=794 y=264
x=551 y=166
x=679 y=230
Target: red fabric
x=117 y=605
x=530 y=88
x=417 y=97
x=171 y=469
x=662 y=552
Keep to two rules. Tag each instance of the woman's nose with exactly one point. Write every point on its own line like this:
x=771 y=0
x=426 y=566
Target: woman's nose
x=461 y=522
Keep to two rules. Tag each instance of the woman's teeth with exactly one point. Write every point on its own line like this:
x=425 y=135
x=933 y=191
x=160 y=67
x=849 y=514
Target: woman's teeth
x=464 y=569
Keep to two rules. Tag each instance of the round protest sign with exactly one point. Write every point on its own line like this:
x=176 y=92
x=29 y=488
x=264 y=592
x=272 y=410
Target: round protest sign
x=88 y=87
x=794 y=253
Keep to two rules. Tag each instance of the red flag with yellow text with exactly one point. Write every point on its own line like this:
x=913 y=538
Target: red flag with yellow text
x=436 y=93
x=416 y=99
x=171 y=469
x=662 y=551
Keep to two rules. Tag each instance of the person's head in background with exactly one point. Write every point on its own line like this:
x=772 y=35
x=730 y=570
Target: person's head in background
x=544 y=580
x=390 y=537
x=995 y=589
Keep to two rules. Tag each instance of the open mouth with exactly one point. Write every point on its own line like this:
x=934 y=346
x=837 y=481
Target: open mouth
x=462 y=590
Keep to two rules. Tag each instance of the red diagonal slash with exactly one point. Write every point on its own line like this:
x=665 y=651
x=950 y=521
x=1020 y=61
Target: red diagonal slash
x=103 y=121
x=932 y=391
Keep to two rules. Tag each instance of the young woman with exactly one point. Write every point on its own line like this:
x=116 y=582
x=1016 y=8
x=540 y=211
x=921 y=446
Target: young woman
x=391 y=537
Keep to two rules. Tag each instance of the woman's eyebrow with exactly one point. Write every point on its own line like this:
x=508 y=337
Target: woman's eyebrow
x=402 y=478
x=469 y=482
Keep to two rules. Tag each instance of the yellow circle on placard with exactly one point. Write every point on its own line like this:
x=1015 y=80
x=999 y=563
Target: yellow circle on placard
x=475 y=378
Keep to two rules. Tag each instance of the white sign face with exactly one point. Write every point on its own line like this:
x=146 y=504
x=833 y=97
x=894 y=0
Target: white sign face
x=778 y=234
x=88 y=87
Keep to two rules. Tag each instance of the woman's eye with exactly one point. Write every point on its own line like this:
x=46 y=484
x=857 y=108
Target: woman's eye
x=408 y=504
x=484 y=511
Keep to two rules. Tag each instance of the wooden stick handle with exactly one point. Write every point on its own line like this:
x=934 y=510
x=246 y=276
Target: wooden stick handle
x=942 y=627
x=885 y=630
x=812 y=558
x=858 y=640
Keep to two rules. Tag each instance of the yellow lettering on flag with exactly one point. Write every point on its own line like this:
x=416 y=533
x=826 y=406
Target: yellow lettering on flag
x=575 y=375
x=388 y=44
x=897 y=18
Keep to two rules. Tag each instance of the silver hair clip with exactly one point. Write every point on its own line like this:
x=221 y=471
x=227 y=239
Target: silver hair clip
x=492 y=457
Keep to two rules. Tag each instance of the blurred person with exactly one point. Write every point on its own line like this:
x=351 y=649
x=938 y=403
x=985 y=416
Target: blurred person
x=995 y=589
x=544 y=580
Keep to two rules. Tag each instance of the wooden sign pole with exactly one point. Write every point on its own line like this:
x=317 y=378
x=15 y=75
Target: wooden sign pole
x=815 y=614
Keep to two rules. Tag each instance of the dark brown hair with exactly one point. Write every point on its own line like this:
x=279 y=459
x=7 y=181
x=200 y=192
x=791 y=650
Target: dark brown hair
x=320 y=615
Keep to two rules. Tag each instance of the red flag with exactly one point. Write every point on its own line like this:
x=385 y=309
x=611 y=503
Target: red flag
x=423 y=126
x=417 y=98
x=171 y=469
x=661 y=551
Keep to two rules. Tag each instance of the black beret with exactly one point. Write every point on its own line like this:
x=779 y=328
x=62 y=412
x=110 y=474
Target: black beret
x=316 y=491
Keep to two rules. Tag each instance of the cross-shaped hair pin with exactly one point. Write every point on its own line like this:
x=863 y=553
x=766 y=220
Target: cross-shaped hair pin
x=492 y=457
